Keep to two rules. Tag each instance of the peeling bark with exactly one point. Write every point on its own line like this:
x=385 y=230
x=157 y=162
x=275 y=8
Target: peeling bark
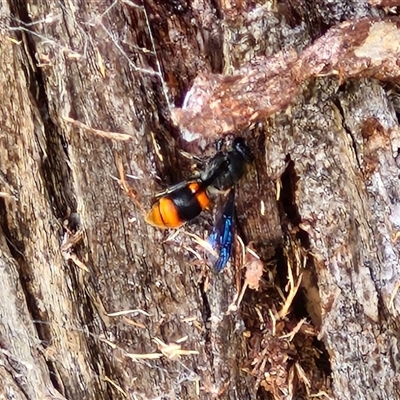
x=219 y=104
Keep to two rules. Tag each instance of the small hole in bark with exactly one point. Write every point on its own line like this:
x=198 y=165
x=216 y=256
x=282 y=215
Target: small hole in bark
x=290 y=216
x=287 y=200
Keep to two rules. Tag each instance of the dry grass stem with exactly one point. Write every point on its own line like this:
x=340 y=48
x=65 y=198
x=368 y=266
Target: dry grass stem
x=125 y=312
x=125 y=185
x=128 y=321
x=116 y=386
x=104 y=134
x=173 y=350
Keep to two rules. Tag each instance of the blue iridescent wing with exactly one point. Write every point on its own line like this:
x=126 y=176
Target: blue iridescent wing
x=222 y=235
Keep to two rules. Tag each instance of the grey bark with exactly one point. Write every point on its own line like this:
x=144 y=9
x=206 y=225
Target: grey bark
x=87 y=87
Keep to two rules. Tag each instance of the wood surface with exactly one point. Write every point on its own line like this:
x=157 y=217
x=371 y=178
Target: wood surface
x=98 y=102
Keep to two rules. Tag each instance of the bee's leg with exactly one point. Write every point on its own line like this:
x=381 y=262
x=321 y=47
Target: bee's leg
x=172 y=188
x=219 y=144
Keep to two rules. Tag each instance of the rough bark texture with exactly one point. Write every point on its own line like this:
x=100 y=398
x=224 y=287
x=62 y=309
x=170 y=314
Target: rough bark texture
x=95 y=304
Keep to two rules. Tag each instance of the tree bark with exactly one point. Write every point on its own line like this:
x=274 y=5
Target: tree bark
x=95 y=303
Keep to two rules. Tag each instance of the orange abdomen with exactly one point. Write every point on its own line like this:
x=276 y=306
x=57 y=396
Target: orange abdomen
x=178 y=206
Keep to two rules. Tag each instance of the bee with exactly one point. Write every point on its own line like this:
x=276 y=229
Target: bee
x=184 y=201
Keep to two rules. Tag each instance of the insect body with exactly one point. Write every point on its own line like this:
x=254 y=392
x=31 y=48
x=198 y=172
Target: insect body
x=222 y=235
x=183 y=202
x=179 y=204
x=237 y=157
x=186 y=200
